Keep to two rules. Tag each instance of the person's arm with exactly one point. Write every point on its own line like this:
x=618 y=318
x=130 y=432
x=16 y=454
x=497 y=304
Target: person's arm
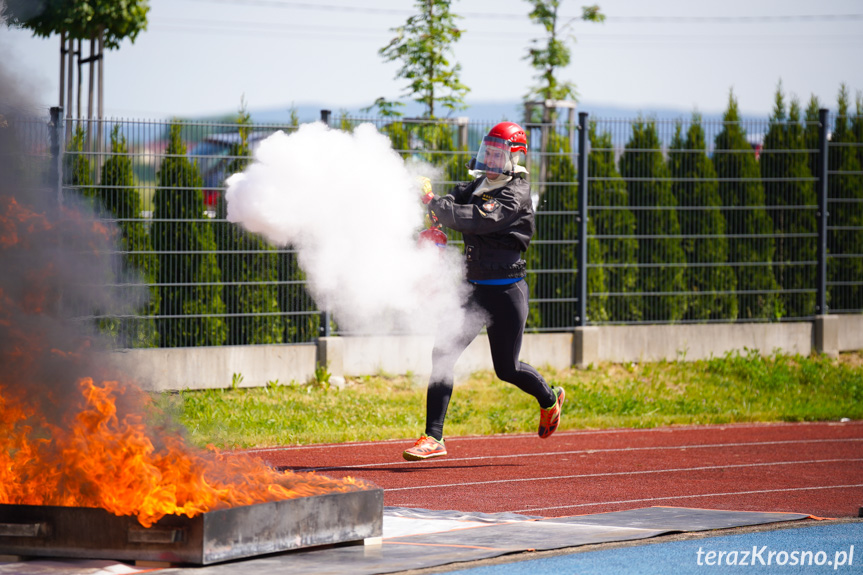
x=491 y=216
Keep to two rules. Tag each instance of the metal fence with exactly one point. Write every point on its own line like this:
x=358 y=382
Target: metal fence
x=682 y=221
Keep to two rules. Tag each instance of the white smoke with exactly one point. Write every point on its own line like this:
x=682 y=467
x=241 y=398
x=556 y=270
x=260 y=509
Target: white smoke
x=350 y=206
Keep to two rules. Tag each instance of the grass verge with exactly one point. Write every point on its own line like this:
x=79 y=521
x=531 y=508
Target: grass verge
x=734 y=388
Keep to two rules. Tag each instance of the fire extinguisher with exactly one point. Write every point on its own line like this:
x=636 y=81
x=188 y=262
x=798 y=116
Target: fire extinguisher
x=433 y=234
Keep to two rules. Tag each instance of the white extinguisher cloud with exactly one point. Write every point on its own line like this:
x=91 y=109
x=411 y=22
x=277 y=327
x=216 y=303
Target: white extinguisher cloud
x=349 y=205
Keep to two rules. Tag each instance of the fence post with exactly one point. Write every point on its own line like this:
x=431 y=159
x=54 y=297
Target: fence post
x=543 y=158
x=324 y=330
x=462 y=122
x=56 y=171
x=823 y=214
x=581 y=274
x=826 y=327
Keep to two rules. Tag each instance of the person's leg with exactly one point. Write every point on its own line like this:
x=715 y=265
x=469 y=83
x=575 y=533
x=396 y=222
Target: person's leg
x=451 y=340
x=449 y=345
x=507 y=307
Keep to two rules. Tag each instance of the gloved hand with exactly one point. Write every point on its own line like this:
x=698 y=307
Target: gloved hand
x=426 y=194
x=441 y=204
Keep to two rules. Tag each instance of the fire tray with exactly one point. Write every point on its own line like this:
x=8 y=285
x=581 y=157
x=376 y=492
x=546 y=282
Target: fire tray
x=212 y=537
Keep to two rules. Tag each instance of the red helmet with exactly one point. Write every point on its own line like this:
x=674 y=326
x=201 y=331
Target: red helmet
x=512 y=133
x=504 y=147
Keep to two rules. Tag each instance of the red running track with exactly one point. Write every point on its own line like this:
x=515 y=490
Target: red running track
x=812 y=468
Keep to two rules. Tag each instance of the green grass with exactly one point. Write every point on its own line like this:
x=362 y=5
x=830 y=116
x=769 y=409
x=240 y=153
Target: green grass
x=734 y=388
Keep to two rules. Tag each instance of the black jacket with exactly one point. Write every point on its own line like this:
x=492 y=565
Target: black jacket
x=497 y=226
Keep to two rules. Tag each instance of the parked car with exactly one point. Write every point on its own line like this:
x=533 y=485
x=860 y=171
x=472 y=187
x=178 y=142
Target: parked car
x=213 y=155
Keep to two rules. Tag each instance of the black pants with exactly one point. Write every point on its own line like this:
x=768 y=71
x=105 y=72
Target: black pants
x=503 y=309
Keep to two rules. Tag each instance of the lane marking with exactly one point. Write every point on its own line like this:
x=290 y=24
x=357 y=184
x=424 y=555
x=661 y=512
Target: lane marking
x=692 y=497
x=617 y=473
x=573 y=432
x=587 y=451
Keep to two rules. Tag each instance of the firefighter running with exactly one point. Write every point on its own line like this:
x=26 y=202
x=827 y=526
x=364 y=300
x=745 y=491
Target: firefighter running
x=494 y=214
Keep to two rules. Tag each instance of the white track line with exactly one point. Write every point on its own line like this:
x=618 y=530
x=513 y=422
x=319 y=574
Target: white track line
x=590 y=451
x=677 y=497
x=627 y=473
x=569 y=432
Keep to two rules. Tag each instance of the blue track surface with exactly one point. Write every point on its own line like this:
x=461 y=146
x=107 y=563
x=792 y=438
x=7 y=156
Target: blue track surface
x=825 y=548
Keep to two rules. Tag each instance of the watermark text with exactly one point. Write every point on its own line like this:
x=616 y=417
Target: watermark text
x=763 y=555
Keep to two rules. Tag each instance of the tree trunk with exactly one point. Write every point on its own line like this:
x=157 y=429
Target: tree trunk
x=431 y=63
x=62 y=66
x=78 y=54
x=92 y=61
x=90 y=89
x=69 y=90
x=101 y=74
x=100 y=134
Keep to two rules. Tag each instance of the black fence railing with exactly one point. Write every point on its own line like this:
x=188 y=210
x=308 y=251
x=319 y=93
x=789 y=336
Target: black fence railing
x=638 y=220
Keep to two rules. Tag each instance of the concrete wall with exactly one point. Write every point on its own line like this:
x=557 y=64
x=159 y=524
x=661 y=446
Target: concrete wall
x=830 y=335
x=698 y=341
x=850 y=332
x=214 y=367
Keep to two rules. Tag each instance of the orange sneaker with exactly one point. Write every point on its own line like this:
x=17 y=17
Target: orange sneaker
x=549 y=418
x=425 y=448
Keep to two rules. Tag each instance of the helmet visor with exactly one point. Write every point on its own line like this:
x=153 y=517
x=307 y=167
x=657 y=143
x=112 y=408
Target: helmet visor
x=494 y=156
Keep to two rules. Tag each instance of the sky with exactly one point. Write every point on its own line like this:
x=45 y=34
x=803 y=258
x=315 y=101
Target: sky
x=203 y=57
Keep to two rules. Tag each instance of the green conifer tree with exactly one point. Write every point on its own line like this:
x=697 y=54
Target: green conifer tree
x=554 y=250
x=662 y=262
x=790 y=194
x=750 y=229
x=857 y=128
x=845 y=191
x=188 y=270
x=857 y=136
x=302 y=320
x=811 y=122
x=597 y=288
x=119 y=196
x=711 y=283
x=613 y=224
x=78 y=169
x=249 y=265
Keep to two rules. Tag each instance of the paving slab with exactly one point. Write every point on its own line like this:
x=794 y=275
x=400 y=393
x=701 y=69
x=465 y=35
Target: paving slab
x=419 y=538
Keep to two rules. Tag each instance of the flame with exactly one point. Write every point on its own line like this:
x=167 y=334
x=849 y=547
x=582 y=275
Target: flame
x=117 y=463
x=68 y=440
x=15 y=219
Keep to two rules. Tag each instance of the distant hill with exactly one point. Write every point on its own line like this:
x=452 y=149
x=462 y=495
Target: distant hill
x=486 y=113
x=480 y=111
